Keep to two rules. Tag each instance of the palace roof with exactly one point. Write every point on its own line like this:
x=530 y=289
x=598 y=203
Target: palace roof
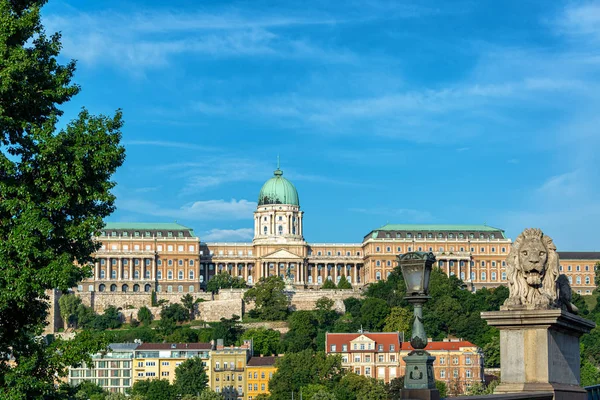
x=175 y=346
x=262 y=361
x=278 y=190
x=579 y=255
x=402 y=231
x=142 y=227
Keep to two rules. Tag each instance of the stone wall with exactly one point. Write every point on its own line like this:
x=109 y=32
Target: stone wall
x=225 y=304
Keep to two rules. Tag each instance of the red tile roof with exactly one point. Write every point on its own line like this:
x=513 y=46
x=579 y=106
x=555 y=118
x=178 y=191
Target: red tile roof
x=261 y=361
x=385 y=338
x=448 y=346
x=174 y=346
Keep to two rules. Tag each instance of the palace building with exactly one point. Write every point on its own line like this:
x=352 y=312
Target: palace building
x=169 y=257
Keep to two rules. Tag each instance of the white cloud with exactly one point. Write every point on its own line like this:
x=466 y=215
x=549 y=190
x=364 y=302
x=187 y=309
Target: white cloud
x=580 y=20
x=203 y=210
x=228 y=235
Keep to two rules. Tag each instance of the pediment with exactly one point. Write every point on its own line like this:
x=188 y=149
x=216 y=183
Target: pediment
x=282 y=254
x=362 y=338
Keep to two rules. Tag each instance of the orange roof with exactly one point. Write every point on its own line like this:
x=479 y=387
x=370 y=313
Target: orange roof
x=384 y=338
x=448 y=346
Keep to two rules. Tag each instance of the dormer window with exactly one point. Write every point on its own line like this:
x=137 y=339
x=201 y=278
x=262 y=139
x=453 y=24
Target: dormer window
x=170 y=234
x=180 y=234
x=387 y=235
x=471 y=236
x=409 y=235
x=461 y=235
x=147 y=234
x=429 y=235
x=125 y=234
x=398 y=235
x=113 y=234
x=158 y=234
x=419 y=235
x=440 y=235
x=136 y=234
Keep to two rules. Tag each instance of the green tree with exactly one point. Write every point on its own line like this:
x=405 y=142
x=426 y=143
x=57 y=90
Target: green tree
x=55 y=188
x=265 y=342
x=442 y=388
x=155 y=389
x=394 y=388
x=87 y=389
x=270 y=301
x=144 y=315
x=590 y=375
x=229 y=329
x=210 y=395
x=190 y=377
x=491 y=352
x=373 y=313
x=115 y=396
x=189 y=303
x=174 y=312
x=325 y=313
x=343 y=283
x=323 y=395
x=329 y=284
x=223 y=280
x=373 y=390
x=295 y=370
x=68 y=305
x=303 y=331
x=398 y=320
x=597 y=275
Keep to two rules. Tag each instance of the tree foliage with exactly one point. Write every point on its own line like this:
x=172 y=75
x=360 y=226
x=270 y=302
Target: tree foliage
x=329 y=284
x=229 y=329
x=343 y=283
x=68 y=305
x=55 y=187
x=144 y=315
x=190 y=377
x=270 y=301
x=295 y=370
x=265 y=342
x=223 y=280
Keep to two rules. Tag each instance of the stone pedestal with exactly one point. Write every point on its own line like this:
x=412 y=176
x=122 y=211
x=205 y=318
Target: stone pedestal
x=539 y=351
x=418 y=379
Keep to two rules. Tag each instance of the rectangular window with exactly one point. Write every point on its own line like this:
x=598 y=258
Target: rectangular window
x=333 y=347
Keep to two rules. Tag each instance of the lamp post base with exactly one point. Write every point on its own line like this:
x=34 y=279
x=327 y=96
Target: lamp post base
x=420 y=394
x=418 y=373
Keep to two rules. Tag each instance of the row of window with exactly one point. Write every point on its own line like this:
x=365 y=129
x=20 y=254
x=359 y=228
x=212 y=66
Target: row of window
x=577 y=268
x=147 y=262
x=455 y=373
x=262 y=375
x=440 y=235
x=159 y=247
x=148 y=234
x=363 y=346
x=262 y=387
x=388 y=249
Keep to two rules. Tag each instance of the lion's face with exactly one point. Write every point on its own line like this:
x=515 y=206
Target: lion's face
x=533 y=257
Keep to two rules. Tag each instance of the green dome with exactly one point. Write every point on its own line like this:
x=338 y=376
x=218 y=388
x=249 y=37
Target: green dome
x=278 y=190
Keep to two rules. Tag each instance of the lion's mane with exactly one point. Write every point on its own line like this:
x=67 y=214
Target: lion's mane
x=521 y=293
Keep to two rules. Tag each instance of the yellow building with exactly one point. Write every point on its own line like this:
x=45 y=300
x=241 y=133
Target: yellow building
x=258 y=372
x=228 y=369
x=159 y=360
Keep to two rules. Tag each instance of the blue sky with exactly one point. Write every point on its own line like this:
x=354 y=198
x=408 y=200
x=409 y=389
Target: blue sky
x=464 y=112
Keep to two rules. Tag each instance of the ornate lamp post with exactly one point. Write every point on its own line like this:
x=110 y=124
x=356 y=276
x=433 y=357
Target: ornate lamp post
x=419 y=382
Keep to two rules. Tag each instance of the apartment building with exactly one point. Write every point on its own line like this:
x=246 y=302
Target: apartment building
x=111 y=370
x=259 y=371
x=160 y=360
x=228 y=369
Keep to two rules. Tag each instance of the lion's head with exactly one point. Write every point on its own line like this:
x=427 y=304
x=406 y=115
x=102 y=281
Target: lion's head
x=532 y=269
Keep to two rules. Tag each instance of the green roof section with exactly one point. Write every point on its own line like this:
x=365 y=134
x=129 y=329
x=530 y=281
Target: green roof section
x=278 y=190
x=438 y=228
x=149 y=226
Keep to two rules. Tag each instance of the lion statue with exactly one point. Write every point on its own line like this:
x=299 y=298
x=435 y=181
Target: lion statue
x=534 y=281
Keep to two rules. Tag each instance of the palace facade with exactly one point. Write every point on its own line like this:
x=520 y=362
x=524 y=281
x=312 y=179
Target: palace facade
x=169 y=257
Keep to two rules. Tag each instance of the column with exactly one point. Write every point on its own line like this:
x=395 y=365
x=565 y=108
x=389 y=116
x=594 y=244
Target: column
x=354 y=274
x=97 y=270
x=120 y=268
x=131 y=268
x=335 y=273
x=299 y=224
x=153 y=277
x=448 y=268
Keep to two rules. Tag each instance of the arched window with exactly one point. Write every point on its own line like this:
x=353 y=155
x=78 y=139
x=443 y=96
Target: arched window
x=493 y=276
x=159 y=274
x=265 y=230
x=319 y=279
x=113 y=274
x=180 y=275
x=169 y=274
x=504 y=276
x=587 y=280
x=570 y=280
x=191 y=274
x=472 y=276
x=159 y=288
x=378 y=275
x=441 y=263
x=180 y=288
x=102 y=274
x=191 y=289
x=147 y=287
x=102 y=287
x=250 y=280
x=136 y=288
x=483 y=276
x=147 y=274
x=280 y=228
x=126 y=274
x=169 y=288
x=136 y=274
x=578 y=280
x=462 y=275
x=125 y=288
x=113 y=288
